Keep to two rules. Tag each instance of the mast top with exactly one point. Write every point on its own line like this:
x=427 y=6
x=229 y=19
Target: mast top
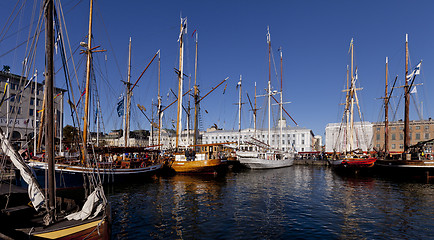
x=406 y=37
x=268 y=34
x=387 y=59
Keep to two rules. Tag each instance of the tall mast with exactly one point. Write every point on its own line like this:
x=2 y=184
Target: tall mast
x=35 y=113
x=239 y=112
x=281 y=95
x=49 y=110
x=269 y=84
x=352 y=97
x=407 y=101
x=180 y=78
x=254 y=113
x=386 y=112
x=128 y=95
x=159 y=104
x=88 y=66
x=347 y=111
x=196 y=97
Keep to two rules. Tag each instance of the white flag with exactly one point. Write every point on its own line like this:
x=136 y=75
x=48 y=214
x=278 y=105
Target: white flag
x=416 y=71
x=414 y=90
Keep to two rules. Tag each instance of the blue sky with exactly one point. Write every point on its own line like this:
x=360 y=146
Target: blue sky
x=314 y=35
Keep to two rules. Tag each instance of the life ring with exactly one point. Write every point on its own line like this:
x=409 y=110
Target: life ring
x=142 y=165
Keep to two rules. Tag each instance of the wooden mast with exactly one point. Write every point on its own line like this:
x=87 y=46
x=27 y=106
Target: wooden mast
x=407 y=102
x=281 y=96
x=49 y=110
x=88 y=66
x=239 y=112
x=180 y=79
x=128 y=103
x=352 y=97
x=196 y=96
x=386 y=112
x=159 y=104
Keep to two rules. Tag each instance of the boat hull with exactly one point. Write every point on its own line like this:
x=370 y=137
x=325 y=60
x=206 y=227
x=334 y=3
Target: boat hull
x=68 y=176
x=257 y=163
x=416 y=169
x=197 y=166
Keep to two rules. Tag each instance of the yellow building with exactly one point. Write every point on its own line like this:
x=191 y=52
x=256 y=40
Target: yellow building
x=419 y=131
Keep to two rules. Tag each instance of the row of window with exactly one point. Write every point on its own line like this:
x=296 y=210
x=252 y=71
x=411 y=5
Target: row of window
x=401 y=136
x=426 y=127
x=263 y=136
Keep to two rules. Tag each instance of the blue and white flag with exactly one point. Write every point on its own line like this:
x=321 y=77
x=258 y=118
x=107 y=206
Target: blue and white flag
x=120 y=107
x=416 y=71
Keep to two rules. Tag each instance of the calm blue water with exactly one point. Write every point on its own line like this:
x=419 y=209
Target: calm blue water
x=300 y=202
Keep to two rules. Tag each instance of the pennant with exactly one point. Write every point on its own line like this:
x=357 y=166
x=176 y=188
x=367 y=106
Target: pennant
x=224 y=90
x=414 y=90
x=192 y=35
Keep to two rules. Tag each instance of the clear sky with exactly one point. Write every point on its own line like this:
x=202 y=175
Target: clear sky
x=314 y=36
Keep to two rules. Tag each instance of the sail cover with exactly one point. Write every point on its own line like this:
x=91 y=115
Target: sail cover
x=34 y=190
x=94 y=204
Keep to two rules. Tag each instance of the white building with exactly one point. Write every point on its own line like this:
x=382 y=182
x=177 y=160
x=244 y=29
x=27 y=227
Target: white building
x=335 y=137
x=301 y=139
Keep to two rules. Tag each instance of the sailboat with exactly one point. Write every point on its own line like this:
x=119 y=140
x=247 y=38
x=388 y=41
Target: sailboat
x=46 y=217
x=260 y=155
x=413 y=162
x=190 y=160
x=352 y=158
x=116 y=168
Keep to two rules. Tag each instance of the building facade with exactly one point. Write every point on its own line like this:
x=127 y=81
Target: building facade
x=300 y=139
x=419 y=131
x=22 y=106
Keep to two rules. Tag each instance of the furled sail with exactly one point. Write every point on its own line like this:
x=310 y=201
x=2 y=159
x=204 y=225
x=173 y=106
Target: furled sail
x=34 y=190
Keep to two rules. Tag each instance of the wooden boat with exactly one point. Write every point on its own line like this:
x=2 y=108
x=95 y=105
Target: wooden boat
x=191 y=160
x=256 y=154
x=47 y=217
x=140 y=164
x=413 y=162
x=352 y=158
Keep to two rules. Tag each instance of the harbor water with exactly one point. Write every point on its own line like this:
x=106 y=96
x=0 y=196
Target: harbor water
x=299 y=202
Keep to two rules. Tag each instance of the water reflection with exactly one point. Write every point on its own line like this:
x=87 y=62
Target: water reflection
x=297 y=202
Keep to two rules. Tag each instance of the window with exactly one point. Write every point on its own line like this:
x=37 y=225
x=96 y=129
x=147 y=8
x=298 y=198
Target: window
x=293 y=141
x=378 y=136
x=302 y=135
x=32 y=101
x=393 y=137
x=417 y=136
x=293 y=135
x=426 y=135
x=302 y=141
x=378 y=145
x=426 y=127
x=417 y=127
x=401 y=128
x=393 y=146
x=283 y=141
x=30 y=112
x=12 y=98
x=401 y=136
x=393 y=128
x=401 y=146
x=378 y=129
x=411 y=136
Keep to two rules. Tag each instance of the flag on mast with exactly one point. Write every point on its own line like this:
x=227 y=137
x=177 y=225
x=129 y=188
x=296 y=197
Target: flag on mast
x=416 y=71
